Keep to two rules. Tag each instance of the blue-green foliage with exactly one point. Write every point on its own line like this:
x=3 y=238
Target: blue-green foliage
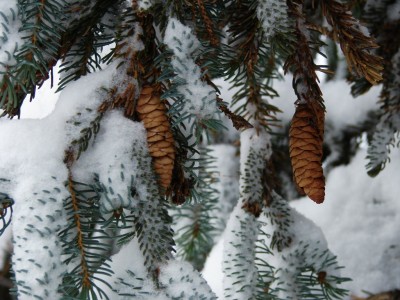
x=85 y=245
x=42 y=26
x=195 y=238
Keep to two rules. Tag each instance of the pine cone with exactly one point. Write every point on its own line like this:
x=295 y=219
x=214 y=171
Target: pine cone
x=305 y=146
x=152 y=113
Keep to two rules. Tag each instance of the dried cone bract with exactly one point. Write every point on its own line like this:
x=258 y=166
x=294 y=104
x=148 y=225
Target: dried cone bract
x=152 y=113
x=305 y=146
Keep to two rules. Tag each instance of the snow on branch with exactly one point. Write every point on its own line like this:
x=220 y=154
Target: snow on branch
x=195 y=99
x=240 y=272
x=188 y=285
x=300 y=263
x=388 y=126
x=39 y=216
x=255 y=150
x=273 y=16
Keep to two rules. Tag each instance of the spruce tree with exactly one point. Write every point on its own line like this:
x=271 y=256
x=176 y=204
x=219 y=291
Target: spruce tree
x=122 y=192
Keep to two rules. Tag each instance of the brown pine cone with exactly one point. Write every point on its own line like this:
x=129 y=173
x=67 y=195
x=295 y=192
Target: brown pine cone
x=305 y=147
x=152 y=113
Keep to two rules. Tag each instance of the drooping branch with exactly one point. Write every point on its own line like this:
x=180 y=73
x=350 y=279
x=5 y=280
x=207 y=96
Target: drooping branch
x=356 y=46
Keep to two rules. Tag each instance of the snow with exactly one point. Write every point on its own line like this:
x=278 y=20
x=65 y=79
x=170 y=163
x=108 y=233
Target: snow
x=199 y=98
x=128 y=267
x=226 y=165
x=360 y=219
x=307 y=249
x=257 y=140
x=273 y=15
x=144 y=4
x=255 y=150
x=32 y=155
x=182 y=281
x=178 y=280
x=240 y=273
x=114 y=143
x=212 y=271
x=45 y=100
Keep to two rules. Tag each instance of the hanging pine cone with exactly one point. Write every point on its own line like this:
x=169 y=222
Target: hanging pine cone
x=305 y=146
x=152 y=113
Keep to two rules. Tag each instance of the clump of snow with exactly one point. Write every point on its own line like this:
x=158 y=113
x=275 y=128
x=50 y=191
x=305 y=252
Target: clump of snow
x=255 y=150
x=257 y=140
x=129 y=279
x=212 y=271
x=132 y=42
x=79 y=102
x=273 y=15
x=199 y=99
x=45 y=99
x=38 y=216
x=32 y=157
x=226 y=165
x=240 y=272
x=144 y=4
x=360 y=219
x=113 y=159
x=187 y=285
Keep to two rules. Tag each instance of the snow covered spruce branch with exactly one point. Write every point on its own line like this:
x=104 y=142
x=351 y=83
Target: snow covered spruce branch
x=125 y=189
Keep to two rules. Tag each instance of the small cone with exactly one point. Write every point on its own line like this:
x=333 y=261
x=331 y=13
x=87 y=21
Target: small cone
x=152 y=113
x=305 y=147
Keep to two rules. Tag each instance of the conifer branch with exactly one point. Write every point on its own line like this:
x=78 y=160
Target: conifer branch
x=305 y=79
x=388 y=124
x=240 y=270
x=255 y=151
x=249 y=64
x=37 y=55
x=208 y=23
x=47 y=44
x=195 y=237
x=84 y=245
x=323 y=30
x=303 y=267
x=125 y=96
x=86 y=284
x=356 y=46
